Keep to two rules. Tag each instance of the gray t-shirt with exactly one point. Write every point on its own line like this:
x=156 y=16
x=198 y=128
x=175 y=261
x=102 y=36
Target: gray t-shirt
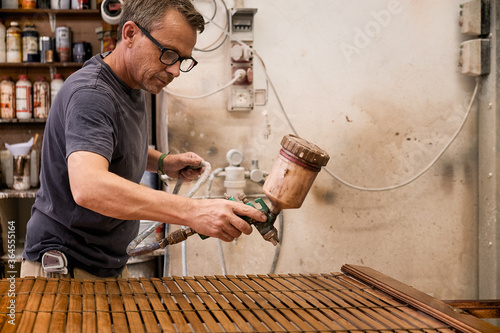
x=93 y=111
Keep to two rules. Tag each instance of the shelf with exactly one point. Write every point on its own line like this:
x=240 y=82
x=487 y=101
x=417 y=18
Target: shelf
x=41 y=64
x=26 y=194
x=66 y=12
x=23 y=121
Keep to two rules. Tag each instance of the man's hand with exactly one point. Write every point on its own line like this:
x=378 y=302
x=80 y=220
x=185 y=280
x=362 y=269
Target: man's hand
x=183 y=166
x=218 y=218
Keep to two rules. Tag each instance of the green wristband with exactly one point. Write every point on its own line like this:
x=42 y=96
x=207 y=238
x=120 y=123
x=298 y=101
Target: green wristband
x=160 y=163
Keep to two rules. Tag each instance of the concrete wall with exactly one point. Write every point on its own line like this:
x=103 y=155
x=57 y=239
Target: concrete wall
x=376 y=84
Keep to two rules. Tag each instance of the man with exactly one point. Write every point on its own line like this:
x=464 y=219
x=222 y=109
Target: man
x=95 y=152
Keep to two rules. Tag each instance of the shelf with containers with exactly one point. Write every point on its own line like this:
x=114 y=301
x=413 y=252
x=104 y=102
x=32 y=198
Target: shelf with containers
x=15 y=205
x=83 y=24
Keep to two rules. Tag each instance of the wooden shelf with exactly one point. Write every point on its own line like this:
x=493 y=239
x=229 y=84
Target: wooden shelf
x=9 y=193
x=41 y=64
x=22 y=121
x=66 y=12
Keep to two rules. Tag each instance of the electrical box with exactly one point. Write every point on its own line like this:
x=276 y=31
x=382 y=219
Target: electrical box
x=241 y=92
x=475 y=18
x=475 y=57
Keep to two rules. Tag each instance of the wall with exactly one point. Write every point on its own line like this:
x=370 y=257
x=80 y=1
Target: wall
x=374 y=83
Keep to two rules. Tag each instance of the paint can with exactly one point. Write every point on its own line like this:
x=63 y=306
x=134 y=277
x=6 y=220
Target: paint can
x=47 y=49
x=29 y=37
x=63 y=43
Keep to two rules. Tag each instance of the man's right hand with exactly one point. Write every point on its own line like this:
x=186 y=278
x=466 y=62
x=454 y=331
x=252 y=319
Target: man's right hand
x=219 y=218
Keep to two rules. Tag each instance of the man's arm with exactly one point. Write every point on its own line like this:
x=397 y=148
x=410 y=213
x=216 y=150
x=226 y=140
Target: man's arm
x=99 y=190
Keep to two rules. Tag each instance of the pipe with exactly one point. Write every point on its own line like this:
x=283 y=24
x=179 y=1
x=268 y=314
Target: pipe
x=131 y=248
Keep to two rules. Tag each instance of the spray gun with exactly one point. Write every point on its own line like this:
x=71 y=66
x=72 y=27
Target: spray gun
x=286 y=186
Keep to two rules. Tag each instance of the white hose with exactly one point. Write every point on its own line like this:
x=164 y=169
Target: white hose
x=238 y=75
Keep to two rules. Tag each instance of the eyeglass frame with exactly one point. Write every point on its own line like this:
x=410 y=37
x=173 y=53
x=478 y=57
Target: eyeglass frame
x=165 y=49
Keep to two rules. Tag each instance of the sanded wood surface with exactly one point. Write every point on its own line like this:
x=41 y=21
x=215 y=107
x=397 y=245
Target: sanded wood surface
x=333 y=302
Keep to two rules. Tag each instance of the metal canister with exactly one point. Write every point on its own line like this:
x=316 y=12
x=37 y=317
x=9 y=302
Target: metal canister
x=63 y=43
x=29 y=37
x=80 y=4
x=47 y=46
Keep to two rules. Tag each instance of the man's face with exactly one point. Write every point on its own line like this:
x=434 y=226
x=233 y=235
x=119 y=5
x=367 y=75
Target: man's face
x=145 y=68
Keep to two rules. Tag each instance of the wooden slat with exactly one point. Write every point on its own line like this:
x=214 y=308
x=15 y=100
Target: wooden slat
x=253 y=303
x=192 y=292
x=419 y=300
x=29 y=315
x=174 y=310
x=479 y=308
x=239 y=301
x=150 y=323
x=397 y=311
x=102 y=307
x=4 y=302
x=60 y=309
x=186 y=307
x=215 y=302
x=284 y=315
x=74 y=322
x=46 y=305
x=22 y=290
x=134 y=318
x=161 y=313
x=89 y=317
x=118 y=316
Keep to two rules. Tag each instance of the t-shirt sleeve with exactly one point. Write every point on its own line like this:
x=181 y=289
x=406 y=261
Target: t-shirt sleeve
x=90 y=124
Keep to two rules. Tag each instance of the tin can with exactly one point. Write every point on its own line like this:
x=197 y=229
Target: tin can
x=80 y=4
x=41 y=98
x=47 y=49
x=14 y=43
x=29 y=37
x=8 y=98
x=63 y=43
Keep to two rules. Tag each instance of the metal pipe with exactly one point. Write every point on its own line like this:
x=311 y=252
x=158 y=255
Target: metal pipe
x=131 y=248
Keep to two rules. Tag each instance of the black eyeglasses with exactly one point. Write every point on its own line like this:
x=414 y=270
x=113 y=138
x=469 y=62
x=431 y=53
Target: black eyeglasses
x=169 y=57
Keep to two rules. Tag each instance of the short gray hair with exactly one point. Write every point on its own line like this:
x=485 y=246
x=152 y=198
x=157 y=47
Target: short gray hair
x=148 y=13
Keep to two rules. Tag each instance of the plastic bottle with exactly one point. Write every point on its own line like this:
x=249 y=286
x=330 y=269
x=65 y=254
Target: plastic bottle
x=8 y=98
x=3 y=47
x=24 y=104
x=41 y=98
x=14 y=43
x=29 y=37
x=55 y=85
